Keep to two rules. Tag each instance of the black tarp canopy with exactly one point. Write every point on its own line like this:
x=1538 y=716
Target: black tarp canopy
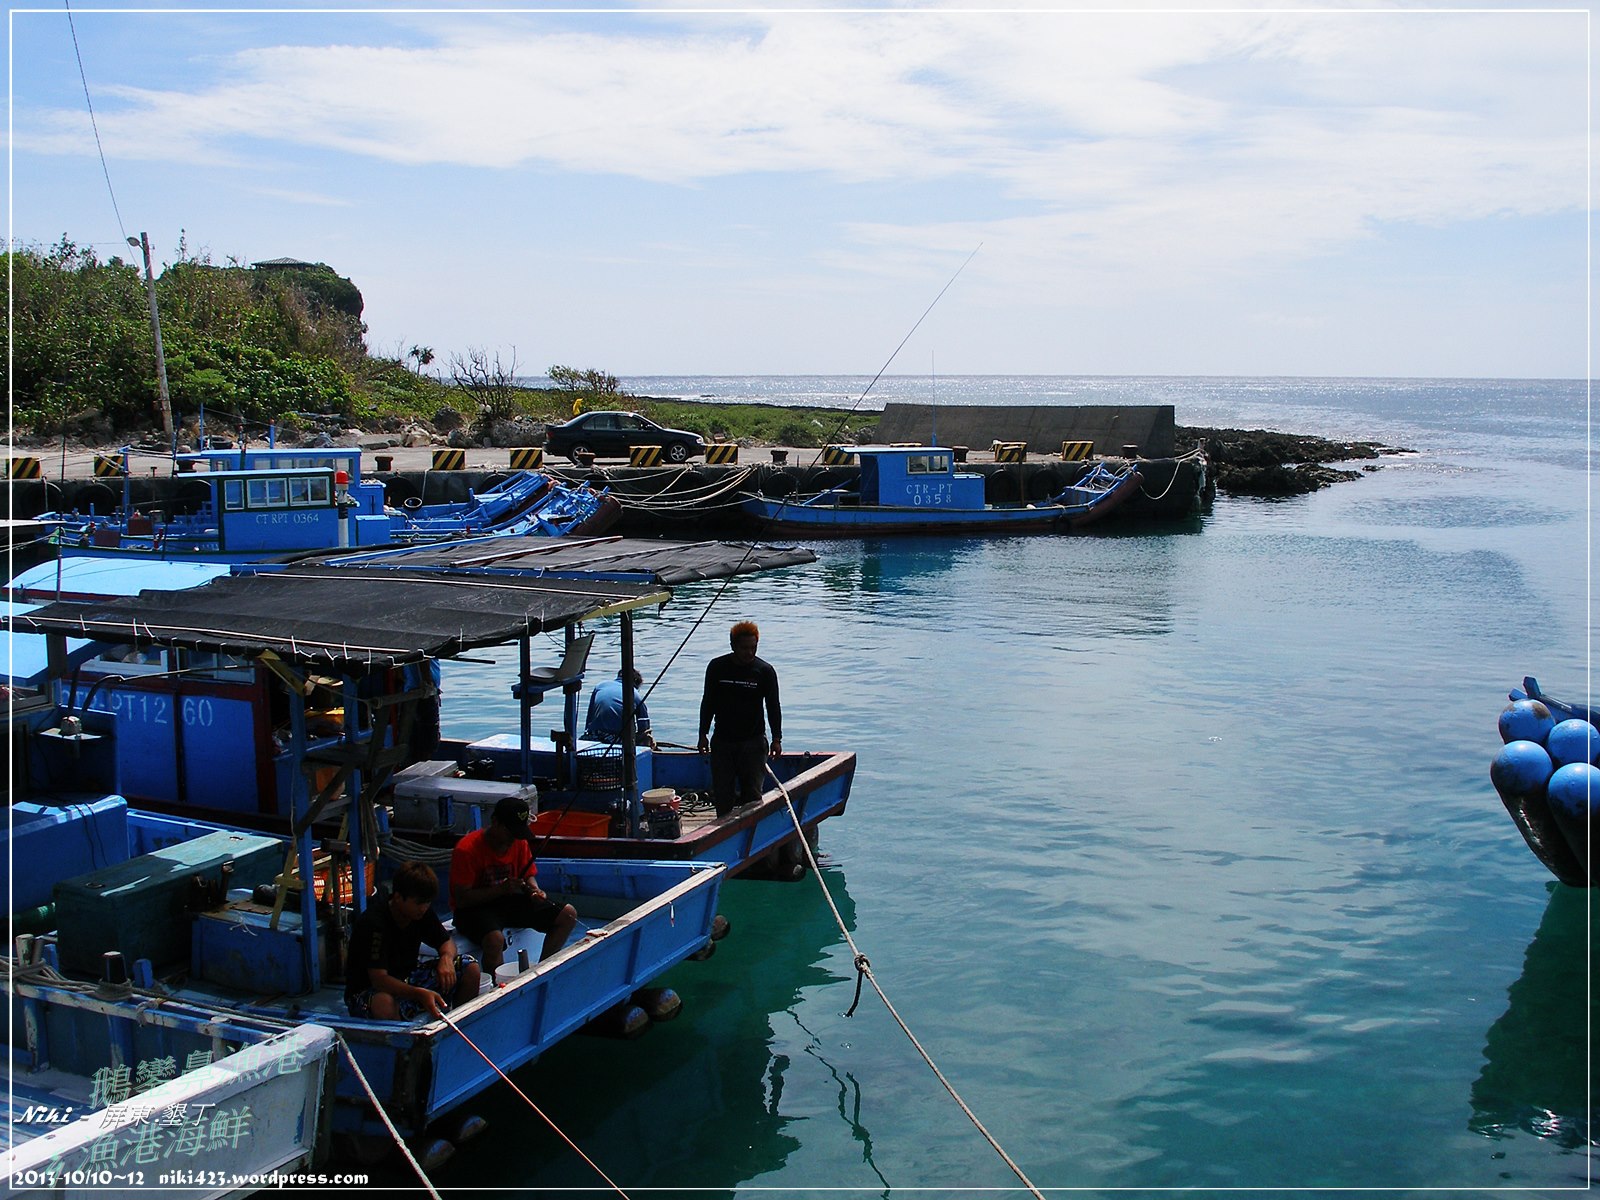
x=383 y=608
x=662 y=562
x=354 y=618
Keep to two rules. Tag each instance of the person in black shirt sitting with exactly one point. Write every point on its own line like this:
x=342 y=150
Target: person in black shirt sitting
x=383 y=979
x=738 y=687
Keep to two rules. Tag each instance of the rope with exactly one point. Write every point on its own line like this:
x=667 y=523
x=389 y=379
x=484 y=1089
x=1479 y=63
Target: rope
x=384 y=1117
x=864 y=971
x=540 y=1112
x=1182 y=458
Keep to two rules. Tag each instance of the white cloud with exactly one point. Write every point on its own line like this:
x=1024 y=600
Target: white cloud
x=1098 y=156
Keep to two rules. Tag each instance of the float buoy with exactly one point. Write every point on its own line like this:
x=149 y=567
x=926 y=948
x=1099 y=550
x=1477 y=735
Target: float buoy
x=1526 y=720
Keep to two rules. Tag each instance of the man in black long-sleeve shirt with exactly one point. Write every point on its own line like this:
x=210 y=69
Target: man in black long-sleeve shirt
x=738 y=686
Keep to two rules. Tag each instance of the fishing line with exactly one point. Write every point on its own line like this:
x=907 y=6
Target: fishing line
x=446 y=1019
x=751 y=547
x=93 y=124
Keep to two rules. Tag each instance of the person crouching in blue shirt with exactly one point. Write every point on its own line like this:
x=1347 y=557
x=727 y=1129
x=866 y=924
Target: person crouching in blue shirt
x=604 y=722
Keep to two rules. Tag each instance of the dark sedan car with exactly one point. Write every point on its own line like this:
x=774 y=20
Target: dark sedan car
x=610 y=434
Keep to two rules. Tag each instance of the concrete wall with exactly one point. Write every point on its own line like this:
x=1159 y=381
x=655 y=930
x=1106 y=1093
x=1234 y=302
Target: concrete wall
x=1043 y=426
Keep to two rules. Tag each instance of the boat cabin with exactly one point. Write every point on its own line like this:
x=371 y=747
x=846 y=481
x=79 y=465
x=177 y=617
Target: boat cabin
x=916 y=477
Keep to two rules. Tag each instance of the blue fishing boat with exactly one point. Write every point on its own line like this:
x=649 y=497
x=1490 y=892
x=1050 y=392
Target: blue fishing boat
x=916 y=489
x=615 y=798
x=231 y=901
x=199 y=1126
x=263 y=502
x=1546 y=776
x=207 y=732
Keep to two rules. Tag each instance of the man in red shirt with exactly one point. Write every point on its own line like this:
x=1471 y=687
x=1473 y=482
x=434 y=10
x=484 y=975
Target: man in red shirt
x=492 y=887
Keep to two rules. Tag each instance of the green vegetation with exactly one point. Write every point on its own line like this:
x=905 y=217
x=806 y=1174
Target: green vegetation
x=286 y=343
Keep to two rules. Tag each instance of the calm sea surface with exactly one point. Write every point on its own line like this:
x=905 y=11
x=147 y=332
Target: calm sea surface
x=1175 y=848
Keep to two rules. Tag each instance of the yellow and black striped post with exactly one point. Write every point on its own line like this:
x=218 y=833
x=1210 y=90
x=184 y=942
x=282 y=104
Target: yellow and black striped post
x=722 y=452
x=644 y=456
x=837 y=456
x=527 y=458
x=1010 y=452
x=25 y=468
x=449 y=460
x=106 y=465
x=1076 y=451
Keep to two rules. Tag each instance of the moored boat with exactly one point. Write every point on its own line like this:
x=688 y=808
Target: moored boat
x=194 y=729
x=79 y=1127
x=211 y=913
x=1546 y=776
x=256 y=503
x=916 y=489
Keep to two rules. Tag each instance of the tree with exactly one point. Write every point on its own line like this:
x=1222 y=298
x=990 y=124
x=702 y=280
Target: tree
x=489 y=382
x=587 y=385
x=423 y=356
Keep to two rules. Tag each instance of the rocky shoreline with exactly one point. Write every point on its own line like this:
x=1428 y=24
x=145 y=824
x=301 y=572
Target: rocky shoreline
x=1260 y=462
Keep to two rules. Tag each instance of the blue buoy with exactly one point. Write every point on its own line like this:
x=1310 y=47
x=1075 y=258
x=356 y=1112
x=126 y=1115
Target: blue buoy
x=1526 y=720
x=1573 y=741
x=1575 y=789
x=1522 y=768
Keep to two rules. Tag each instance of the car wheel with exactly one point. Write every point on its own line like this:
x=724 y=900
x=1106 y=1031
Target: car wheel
x=579 y=448
x=677 y=452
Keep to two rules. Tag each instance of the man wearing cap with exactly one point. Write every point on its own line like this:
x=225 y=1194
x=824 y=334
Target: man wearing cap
x=492 y=887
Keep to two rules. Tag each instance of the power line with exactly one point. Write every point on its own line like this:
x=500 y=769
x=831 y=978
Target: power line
x=78 y=54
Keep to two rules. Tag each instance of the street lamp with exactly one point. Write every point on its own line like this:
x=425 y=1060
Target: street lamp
x=142 y=242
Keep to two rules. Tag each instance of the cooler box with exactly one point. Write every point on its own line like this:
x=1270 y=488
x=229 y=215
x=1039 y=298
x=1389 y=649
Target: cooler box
x=504 y=750
x=138 y=906
x=436 y=802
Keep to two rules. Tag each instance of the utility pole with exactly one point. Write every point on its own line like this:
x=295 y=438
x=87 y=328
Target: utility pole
x=143 y=243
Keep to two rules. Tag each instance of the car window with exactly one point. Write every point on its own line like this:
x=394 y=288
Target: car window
x=631 y=422
x=601 y=421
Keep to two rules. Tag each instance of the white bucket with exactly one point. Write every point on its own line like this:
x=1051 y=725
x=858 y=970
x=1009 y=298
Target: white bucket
x=505 y=973
x=656 y=797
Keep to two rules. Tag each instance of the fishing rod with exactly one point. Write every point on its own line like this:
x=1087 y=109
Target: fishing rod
x=750 y=549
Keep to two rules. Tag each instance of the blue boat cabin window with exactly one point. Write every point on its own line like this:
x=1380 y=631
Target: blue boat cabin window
x=265 y=493
x=308 y=489
x=233 y=495
x=928 y=464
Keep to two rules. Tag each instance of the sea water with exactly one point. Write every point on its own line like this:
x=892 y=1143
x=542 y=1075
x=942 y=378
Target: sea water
x=1174 y=847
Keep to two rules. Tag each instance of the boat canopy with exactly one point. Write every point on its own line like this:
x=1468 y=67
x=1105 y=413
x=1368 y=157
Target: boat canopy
x=321 y=615
x=365 y=618
x=637 y=559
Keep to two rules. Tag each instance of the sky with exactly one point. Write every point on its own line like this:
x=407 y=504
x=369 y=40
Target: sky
x=1187 y=190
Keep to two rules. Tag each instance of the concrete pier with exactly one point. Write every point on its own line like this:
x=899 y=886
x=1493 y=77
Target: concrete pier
x=683 y=500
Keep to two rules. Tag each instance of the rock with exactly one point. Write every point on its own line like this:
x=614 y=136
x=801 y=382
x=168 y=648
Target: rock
x=1261 y=462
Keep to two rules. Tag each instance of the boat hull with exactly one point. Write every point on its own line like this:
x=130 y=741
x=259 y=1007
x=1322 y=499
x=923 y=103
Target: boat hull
x=758 y=836
x=224 y=985
x=262 y=1109
x=855 y=521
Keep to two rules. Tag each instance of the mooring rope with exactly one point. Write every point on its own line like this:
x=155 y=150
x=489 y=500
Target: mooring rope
x=539 y=1111
x=1176 y=462
x=384 y=1117
x=864 y=971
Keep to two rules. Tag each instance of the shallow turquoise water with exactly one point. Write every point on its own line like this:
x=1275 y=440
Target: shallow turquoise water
x=1175 y=848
